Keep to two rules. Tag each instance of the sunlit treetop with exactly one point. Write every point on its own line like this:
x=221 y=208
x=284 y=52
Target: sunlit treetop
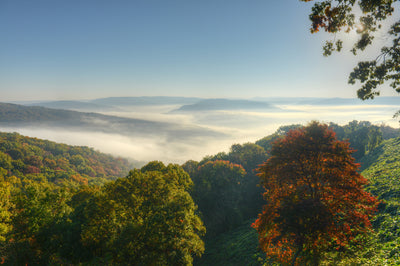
x=315 y=197
x=365 y=17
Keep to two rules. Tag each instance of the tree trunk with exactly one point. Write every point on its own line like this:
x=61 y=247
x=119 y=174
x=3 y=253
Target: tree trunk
x=299 y=250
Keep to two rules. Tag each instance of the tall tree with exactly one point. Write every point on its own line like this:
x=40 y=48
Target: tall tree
x=314 y=194
x=362 y=136
x=6 y=206
x=39 y=208
x=147 y=218
x=249 y=156
x=217 y=191
x=335 y=16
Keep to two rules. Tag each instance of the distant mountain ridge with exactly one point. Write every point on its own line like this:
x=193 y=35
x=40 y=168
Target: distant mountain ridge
x=75 y=105
x=20 y=115
x=145 y=100
x=14 y=113
x=199 y=104
x=226 y=104
x=381 y=100
x=111 y=103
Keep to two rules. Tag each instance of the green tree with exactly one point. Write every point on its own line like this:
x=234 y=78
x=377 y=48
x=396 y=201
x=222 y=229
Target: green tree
x=39 y=208
x=190 y=167
x=147 y=218
x=77 y=160
x=250 y=156
x=336 y=16
x=362 y=136
x=5 y=161
x=6 y=205
x=218 y=192
x=267 y=141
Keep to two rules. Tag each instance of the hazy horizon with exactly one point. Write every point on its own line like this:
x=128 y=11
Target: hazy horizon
x=59 y=50
x=207 y=132
x=91 y=49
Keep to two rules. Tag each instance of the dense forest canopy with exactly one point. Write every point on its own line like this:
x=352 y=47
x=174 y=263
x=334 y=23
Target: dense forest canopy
x=62 y=204
x=146 y=218
x=27 y=157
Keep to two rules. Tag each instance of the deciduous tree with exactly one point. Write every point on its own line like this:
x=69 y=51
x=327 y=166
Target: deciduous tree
x=335 y=16
x=147 y=218
x=315 y=197
x=5 y=209
x=217 y=191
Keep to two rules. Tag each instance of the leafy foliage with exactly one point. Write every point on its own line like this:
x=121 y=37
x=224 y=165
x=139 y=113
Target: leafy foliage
x=383 y=171
x=40 y=209
x=381 y=168
x=49 y=215
x=267 y=141
x=314 y=196
x=362 y=136
x=212 y=171
x=6 y=205
x=217 y=191
x=29 y=158
x=147 y=218
x=236 y=247
x=249 y=156
x=340 y=16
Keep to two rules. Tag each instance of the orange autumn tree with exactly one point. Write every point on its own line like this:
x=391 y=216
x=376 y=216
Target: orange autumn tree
x=315 y=197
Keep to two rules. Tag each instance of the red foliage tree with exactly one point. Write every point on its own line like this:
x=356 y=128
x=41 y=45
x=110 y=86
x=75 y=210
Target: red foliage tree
x=31 y=170
x=315 y=197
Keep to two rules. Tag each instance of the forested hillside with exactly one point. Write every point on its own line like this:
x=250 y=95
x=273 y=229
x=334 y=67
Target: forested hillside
x=379 y=161
x=146 y=218
x=26 y=157
x=61 y=204
x=14 y=115
x=382 y=169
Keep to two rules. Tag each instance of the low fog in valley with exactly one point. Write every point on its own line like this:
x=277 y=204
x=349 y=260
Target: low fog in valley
x=171 y=135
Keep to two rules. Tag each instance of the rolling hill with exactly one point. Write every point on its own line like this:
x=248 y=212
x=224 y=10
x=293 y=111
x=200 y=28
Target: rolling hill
x=76 y=106
x=225 y=104
x=27 y=157
x=36 y=116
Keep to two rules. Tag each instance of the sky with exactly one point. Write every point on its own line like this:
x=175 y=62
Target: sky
x=86 y=49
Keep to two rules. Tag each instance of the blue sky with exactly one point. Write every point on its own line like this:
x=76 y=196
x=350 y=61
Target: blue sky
x=84 y=49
